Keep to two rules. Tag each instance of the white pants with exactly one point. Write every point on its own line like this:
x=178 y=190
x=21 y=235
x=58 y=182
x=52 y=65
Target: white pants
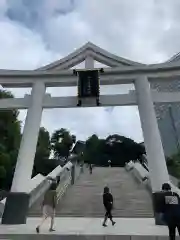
x=48 y=211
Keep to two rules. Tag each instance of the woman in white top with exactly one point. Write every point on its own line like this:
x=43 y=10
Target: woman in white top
x=49 y=205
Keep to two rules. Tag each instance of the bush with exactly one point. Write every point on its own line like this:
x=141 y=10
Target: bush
x=173 y=165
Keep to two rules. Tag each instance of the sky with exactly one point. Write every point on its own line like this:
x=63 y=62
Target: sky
x=34 y=33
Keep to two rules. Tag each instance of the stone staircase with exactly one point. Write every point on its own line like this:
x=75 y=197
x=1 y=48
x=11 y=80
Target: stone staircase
x=84 y=199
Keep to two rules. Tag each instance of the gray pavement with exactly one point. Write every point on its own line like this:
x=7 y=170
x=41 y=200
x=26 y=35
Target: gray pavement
x=87 y=229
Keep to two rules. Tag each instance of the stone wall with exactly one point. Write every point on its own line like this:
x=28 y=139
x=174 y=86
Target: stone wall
x=168 y=115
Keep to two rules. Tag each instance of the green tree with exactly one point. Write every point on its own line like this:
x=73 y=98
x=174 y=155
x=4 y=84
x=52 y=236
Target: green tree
x=43 y=150
x=122 y=149
x=62 y=142
x=90 y=149
x=173 y=165
x=116 y=148
x=10 y=136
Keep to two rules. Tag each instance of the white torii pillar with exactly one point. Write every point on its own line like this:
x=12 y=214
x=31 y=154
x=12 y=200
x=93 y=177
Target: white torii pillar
x=152 y=139
x=17 y=202
x=27 y=150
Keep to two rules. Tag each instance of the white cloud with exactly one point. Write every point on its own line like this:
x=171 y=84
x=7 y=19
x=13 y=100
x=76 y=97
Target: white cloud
x=145 y=31
x=85 y=121
x=21 y=48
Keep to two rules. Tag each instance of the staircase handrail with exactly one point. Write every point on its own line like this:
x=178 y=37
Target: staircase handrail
x=44 y=185
x=174 y=188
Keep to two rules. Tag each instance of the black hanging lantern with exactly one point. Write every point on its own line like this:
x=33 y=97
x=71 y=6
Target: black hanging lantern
x=88 y=85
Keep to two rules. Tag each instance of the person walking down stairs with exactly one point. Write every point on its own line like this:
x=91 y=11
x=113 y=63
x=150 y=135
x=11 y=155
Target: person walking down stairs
x=49 y=205
x=108 y=204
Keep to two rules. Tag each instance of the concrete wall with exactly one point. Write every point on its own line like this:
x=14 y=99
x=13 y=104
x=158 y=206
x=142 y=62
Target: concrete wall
x=169 y=128
x=166 y=118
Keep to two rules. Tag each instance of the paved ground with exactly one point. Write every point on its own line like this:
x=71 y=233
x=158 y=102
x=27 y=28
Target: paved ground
x=88 y=227
x=84 y=199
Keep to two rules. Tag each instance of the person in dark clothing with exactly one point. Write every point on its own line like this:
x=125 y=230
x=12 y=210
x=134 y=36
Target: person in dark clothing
x=58 y=179
x=108 y=204
x=90 y=168
x=171 y=210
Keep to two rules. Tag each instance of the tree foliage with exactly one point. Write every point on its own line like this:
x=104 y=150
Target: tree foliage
x=43 y=150
x=173 y=164
x=62 y=142
x=10 y=136
x=116 y=148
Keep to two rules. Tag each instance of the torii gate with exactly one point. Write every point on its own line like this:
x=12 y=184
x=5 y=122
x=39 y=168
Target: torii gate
x=120 y=71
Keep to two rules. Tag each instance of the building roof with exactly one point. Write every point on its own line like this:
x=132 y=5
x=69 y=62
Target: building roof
x=78 y=147
x=98 y=54
x=89 y=49
x=174 y=58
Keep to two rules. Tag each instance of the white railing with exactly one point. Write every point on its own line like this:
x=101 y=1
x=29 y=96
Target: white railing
x=62 y=172
x=66 y=181
x=141 y=174
x=62 y=188
x=39 y=184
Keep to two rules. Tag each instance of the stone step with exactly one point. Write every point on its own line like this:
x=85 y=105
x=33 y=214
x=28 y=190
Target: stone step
x=84 y=199
x=82 y=237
